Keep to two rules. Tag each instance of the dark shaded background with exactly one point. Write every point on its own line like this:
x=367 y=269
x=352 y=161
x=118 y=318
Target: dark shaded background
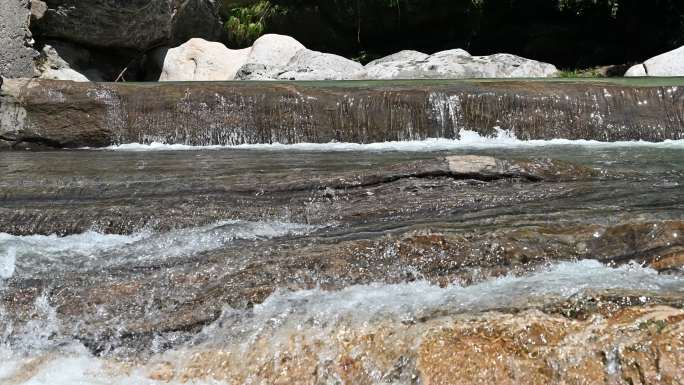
x=582 y=34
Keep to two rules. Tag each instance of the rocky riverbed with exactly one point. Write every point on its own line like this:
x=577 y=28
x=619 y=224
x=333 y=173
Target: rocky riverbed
x=504 y=262
x=264 y=209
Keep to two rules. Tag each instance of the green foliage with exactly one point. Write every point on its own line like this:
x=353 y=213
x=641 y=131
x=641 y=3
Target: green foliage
x=246 y=23
x=587 y=73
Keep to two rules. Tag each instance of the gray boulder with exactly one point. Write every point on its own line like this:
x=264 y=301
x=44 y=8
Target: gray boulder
x=456 y=64
x=667 y=64
x=253 y=71
x=16 y=42
x=132 y=24
x=314 y=65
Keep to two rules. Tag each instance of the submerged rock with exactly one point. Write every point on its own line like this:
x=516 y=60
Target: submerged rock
x=456 y=64
x=531 y=347
x=294 y=292
x=667 y=64
x=200 y=60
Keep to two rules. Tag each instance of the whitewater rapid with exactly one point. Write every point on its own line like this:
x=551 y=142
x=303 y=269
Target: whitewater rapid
x=33 y=254
x=468 y=140
x=41 y=356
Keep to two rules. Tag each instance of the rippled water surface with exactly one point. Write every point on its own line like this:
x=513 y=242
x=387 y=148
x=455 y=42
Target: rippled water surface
x=634 y=182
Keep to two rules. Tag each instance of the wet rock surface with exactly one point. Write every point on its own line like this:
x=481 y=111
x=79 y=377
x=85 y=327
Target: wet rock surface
x=66 y=114
x=530 y=347
x=463 y=217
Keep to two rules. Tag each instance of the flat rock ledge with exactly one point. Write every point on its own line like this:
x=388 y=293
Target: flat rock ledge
x=42 y=113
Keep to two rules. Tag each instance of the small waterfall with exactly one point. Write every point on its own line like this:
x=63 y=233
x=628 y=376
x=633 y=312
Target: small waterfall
x=82 y=115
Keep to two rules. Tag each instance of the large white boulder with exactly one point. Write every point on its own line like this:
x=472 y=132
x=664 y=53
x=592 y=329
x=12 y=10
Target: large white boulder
x=396 y=66
x=274 y=50
x=279 y=57
x=668 y=64
x=201 y=60
x=456 y=64
x=636 y=71
x=314 y=65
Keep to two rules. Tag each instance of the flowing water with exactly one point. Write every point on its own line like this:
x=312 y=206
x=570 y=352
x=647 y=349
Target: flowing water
x=291 y=274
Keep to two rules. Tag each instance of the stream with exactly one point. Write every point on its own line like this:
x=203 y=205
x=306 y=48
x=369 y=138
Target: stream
x=340 y=263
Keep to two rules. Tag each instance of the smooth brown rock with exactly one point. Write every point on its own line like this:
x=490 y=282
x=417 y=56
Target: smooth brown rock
x=64 y=114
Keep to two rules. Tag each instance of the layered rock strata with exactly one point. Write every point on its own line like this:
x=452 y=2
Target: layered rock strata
x=53 y=114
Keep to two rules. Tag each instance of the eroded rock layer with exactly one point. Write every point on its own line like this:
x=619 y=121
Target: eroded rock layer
x=65 y=114
x=548 y=265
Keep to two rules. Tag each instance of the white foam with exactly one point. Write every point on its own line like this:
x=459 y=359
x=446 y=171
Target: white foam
x=41 y=251
x=468 y=139
x=92 y=249
x=8 y=259
x=360 y=304
x=319 y=311
x=88 y=243
x=211 y=237
x=74 y=367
